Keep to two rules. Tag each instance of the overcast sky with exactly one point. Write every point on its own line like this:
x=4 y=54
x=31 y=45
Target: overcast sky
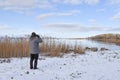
x=59 y=18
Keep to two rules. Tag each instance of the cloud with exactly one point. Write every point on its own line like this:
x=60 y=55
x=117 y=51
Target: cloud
x=101 y=10
x=4 y=27
x=92 y=21
x=47 y=15
x=116 y=17
x=29 y=5
x=73 y=12
x=115 y=4
x=91 y=2
x=115 y=29
x=62 y=25
x=74 y=2
x=69 y=27
x=77 y=2
x=114 y=1
x=22 y=5
x=116 y=7
x=44 y=16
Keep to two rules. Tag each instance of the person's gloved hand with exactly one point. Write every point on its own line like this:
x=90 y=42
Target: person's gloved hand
x=38 y=36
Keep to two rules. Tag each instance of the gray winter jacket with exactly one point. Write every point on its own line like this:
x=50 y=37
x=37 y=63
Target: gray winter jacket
x=34 y=45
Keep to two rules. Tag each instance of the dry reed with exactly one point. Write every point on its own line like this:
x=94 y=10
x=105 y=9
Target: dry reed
x=18 y=47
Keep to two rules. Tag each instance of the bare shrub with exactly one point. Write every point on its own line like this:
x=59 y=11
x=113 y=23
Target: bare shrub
x=78 y=49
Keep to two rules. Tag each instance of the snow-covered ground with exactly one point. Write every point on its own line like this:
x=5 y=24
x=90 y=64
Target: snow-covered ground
x=89 y=66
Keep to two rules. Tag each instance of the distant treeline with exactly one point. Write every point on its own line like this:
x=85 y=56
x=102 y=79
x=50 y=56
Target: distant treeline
x=106 y=36
x=111 y=38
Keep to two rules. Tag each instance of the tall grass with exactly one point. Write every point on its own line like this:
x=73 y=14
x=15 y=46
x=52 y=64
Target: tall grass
x=19 y=47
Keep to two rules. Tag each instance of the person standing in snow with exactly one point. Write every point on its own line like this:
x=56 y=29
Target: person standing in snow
x=34 y=49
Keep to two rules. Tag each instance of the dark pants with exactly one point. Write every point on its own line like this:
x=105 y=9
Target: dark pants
x=33 y=61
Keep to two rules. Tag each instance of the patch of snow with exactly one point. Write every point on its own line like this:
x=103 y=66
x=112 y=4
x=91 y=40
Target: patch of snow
x=103 y=65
